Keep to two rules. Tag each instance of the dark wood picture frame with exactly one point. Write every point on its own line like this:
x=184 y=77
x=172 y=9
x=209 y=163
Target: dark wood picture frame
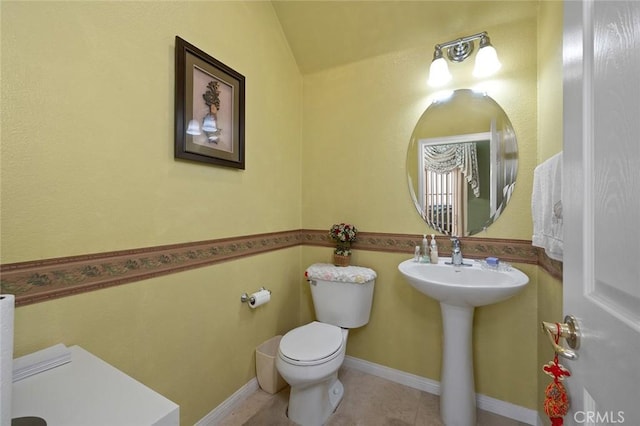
x=209 y=109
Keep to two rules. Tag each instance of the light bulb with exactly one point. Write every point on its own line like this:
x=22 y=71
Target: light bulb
x=487 y=62
x=439 y=74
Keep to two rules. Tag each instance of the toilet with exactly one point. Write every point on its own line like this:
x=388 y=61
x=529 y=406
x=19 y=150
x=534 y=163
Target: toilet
x=309 y=356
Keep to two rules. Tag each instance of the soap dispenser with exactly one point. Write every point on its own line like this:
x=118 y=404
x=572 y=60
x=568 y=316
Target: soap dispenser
x=425 y=249
x=434 y=249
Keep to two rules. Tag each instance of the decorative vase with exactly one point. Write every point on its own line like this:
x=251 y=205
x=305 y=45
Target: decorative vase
x=341 y=260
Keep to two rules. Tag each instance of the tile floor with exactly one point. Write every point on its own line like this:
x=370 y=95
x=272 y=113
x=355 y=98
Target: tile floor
x=369 y=401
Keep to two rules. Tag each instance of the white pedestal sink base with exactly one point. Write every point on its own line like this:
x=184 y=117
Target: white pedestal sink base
x=457 y=389
x=459 y=290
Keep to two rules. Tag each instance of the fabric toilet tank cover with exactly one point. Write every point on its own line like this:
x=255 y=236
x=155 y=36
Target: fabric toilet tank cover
x=348 y=274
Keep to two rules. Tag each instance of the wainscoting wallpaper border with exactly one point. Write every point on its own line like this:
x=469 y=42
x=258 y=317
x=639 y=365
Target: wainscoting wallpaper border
x=41 y=280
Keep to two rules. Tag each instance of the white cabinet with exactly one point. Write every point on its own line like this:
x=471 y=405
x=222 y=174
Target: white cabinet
x=88 y=391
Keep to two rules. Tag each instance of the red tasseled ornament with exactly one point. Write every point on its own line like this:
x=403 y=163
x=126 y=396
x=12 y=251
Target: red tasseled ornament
x=556 y=403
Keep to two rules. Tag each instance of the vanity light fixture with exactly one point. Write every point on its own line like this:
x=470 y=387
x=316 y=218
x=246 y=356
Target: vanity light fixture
x=460 y=49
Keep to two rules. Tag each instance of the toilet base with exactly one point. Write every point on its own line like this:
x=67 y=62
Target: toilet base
x=312 y=405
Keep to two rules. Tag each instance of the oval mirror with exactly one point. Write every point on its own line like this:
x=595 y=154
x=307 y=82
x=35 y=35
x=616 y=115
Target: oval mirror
x=462 y=163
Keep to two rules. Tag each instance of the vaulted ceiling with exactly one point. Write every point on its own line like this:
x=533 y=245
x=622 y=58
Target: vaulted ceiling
x=325 y=34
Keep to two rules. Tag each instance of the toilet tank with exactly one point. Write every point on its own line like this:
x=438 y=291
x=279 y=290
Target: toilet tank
x=342 y=296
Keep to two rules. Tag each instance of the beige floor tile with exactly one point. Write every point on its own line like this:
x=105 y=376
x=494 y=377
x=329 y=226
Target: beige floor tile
x=368 y=401
x=428 y=413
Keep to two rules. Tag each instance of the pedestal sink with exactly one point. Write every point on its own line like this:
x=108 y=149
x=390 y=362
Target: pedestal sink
x=459 y=289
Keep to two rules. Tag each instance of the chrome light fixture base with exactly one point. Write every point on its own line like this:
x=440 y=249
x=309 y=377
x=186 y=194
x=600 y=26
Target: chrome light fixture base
x=460 y=51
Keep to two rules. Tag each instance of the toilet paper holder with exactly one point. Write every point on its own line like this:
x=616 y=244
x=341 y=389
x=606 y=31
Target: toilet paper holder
x=246 y=298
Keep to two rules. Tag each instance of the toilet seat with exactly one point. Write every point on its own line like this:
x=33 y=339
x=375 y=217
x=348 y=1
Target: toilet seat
x=314 y=343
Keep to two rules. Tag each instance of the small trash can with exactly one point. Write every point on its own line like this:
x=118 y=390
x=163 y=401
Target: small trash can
x=268 y=377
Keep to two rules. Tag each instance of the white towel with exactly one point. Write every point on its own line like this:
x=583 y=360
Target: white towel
x=546 y=207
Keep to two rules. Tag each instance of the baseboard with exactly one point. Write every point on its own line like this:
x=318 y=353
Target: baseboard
x=507 y=409
x=223 y=410
x=486 y=403
x=397 y=376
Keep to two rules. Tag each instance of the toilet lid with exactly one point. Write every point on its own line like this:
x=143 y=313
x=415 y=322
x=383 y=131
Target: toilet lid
x=311 y=342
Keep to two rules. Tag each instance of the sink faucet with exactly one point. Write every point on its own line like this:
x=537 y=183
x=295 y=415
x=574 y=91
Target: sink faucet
x=456 y=254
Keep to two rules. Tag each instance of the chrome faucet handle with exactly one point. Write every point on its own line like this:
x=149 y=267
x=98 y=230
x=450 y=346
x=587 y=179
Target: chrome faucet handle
x=456 y=242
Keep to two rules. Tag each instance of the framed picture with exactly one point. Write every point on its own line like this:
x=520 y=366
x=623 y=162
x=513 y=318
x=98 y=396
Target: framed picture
x=209 y=108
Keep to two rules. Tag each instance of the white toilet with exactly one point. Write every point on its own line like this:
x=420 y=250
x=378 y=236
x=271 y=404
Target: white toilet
x=309 y=356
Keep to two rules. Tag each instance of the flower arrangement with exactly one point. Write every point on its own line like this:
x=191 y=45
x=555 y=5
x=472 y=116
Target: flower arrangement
x=343 y=234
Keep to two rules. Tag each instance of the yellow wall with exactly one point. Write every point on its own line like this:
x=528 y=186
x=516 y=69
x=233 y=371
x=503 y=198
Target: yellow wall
x=549 y=309
x=549 y=79
x=358 y=121
x=87 y=127
x=87 y=166
x=549 y=143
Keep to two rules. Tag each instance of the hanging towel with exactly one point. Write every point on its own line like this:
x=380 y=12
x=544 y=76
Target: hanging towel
x=546 y=207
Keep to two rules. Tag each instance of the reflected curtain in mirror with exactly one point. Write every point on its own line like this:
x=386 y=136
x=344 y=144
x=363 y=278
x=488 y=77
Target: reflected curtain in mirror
x=446 y=158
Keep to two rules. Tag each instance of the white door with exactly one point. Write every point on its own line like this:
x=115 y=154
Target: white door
x=601 y=201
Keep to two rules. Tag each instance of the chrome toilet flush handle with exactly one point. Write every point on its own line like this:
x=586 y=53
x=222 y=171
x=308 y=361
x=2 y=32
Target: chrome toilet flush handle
x=569 y=331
